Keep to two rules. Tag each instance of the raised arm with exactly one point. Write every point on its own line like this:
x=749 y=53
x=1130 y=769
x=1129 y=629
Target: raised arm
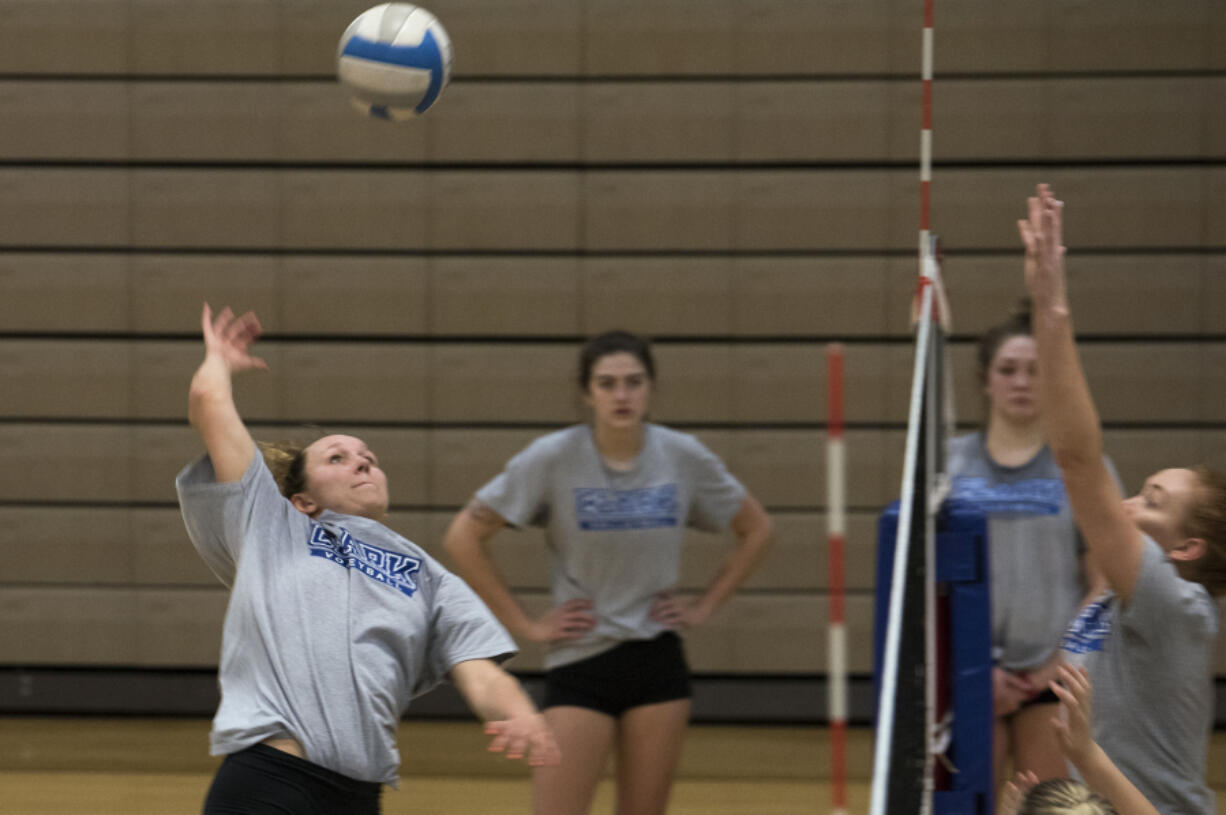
x=1070 y=418
x=211 y=409
x=497 y=698
x=754 y=530
x=466 y=541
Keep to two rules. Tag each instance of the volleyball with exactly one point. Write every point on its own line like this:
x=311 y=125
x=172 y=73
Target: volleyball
x=395 y=59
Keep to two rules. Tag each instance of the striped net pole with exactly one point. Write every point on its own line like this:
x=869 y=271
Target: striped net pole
x=835 y=529
x=929 y=273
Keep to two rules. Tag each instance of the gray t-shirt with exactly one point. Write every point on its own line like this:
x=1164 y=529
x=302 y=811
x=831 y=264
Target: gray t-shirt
x=614 y=536
x=1152 y=668
x=1037 y=581
x=333 y=625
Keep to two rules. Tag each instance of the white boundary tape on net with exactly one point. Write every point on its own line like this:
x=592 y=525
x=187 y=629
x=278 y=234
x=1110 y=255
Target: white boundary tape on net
x=889 y=671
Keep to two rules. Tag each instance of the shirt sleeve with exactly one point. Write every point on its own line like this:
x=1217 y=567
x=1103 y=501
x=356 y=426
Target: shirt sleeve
x=519 y=492
x=218 y=516
x=718 y=495
x=1165 y=611
x=462 y=628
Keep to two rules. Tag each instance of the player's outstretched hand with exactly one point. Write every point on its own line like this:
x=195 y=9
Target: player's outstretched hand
x=1042 y=232
x=527 y=737
x=1073 y=722
x=1014 y=792
x=230 y=338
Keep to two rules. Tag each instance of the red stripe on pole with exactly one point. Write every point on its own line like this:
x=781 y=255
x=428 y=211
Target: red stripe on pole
x=926 y=105
x=838 y=764
x=834 y=390
x=928 y=4
x=836 y=564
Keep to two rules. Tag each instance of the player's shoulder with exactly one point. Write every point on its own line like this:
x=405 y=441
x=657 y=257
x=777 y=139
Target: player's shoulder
x=964 y=445
x=557 y=443
x=676 y=441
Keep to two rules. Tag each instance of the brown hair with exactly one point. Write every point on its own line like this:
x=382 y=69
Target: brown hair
x=1064 y=796
x=1017 y=324
x=1207 y=520
x=287 y=463
x=614 y=342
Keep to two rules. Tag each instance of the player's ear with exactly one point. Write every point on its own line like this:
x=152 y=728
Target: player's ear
x=304 y=504
x=1189 y=549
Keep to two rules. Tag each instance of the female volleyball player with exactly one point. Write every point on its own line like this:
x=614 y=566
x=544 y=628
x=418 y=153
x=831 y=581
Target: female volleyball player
x=614 y=497
x=334 y=623
x=1148 y=641
x=1038 y=578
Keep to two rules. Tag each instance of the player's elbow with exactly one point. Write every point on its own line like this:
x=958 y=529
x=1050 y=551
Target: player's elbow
x=460 y=542
x=1076 y=460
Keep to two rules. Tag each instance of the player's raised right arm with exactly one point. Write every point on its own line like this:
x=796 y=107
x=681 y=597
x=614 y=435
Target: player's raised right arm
x=211 y=408
x=1070 y=417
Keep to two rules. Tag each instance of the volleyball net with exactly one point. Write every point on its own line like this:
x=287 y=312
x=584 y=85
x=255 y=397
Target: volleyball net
x=933 y=737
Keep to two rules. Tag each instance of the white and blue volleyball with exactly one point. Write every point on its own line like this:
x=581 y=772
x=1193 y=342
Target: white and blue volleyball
x=395 y=59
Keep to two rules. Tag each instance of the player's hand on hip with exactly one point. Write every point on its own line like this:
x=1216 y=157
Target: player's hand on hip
x=1009 y=691
x=568 y=621
x=676 y=612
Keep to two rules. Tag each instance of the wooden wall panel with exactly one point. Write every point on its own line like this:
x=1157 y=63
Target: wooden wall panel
x=55 y=292
x=48 y=207
x=230 y=121
x=514 y=122
x=517 y=38
x=653 y=121
x=480 y=383
x=506 y=296
x=77 y=36
x=65 y=120
x=225 y=208
x=214 y=37
x=523 y=38
x=718 y=120
x=364 y=210
x=658 y=296
x=410 y=382
x=657 y=210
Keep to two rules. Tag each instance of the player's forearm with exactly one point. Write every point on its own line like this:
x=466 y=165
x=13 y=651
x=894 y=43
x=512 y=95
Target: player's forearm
x=211 y=410
x=491 y=693
x=474 y=564
x=751 y=549
x=1102 y=776
x=1070 y=419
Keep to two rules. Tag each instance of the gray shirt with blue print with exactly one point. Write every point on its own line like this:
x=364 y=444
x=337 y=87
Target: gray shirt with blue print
x=614 y=536
x=333 y=624
x=1035 y=551
x=1151 y=664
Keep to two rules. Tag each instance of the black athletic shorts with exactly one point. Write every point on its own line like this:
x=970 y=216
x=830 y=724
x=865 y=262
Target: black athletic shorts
x=263 y=780
x=633 y=674
x=1045 y=697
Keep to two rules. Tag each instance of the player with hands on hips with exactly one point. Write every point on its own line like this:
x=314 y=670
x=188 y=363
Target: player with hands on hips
x=614 y=497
